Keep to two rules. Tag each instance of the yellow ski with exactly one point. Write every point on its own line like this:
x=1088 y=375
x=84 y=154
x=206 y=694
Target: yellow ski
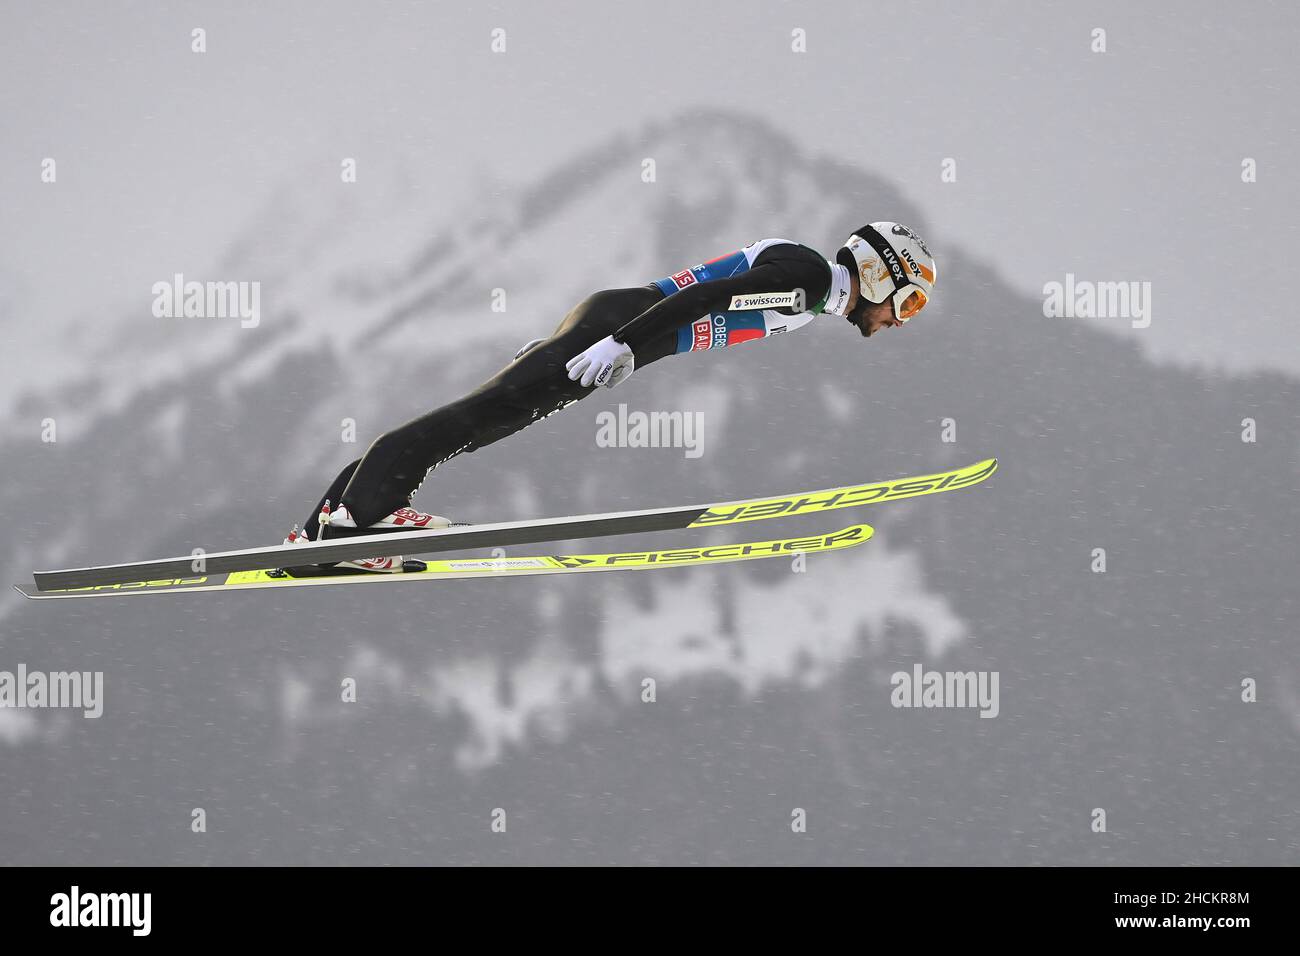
x=464 y=568
x=508 y=533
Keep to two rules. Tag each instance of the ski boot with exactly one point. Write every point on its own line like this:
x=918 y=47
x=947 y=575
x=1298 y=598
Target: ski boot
x=339 y=524
x=393 y=564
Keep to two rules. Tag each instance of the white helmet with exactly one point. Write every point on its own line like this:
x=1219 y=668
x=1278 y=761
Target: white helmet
x=891 y=260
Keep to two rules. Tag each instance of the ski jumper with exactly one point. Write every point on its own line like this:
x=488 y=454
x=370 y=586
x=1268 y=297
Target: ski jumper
x=686 y=312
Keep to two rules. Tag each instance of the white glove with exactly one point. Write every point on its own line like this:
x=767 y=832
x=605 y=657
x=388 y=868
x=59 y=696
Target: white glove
x=605 y=363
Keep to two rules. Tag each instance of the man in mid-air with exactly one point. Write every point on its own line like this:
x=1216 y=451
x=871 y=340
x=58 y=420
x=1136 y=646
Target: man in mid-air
x=880 y=278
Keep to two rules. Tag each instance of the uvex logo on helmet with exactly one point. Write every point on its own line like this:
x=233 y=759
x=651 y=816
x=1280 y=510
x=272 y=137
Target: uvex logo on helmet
x=895 y=267
x=916 y=270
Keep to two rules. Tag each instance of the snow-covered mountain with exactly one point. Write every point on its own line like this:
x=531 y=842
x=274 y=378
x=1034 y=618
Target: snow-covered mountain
x=1118 y=689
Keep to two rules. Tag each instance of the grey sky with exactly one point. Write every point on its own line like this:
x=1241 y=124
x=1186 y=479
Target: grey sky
x=1117 y=166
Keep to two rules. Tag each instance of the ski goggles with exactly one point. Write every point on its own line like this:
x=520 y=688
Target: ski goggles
x=908 y=301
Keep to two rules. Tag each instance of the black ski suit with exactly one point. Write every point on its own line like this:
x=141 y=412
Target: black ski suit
x=537 y=383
